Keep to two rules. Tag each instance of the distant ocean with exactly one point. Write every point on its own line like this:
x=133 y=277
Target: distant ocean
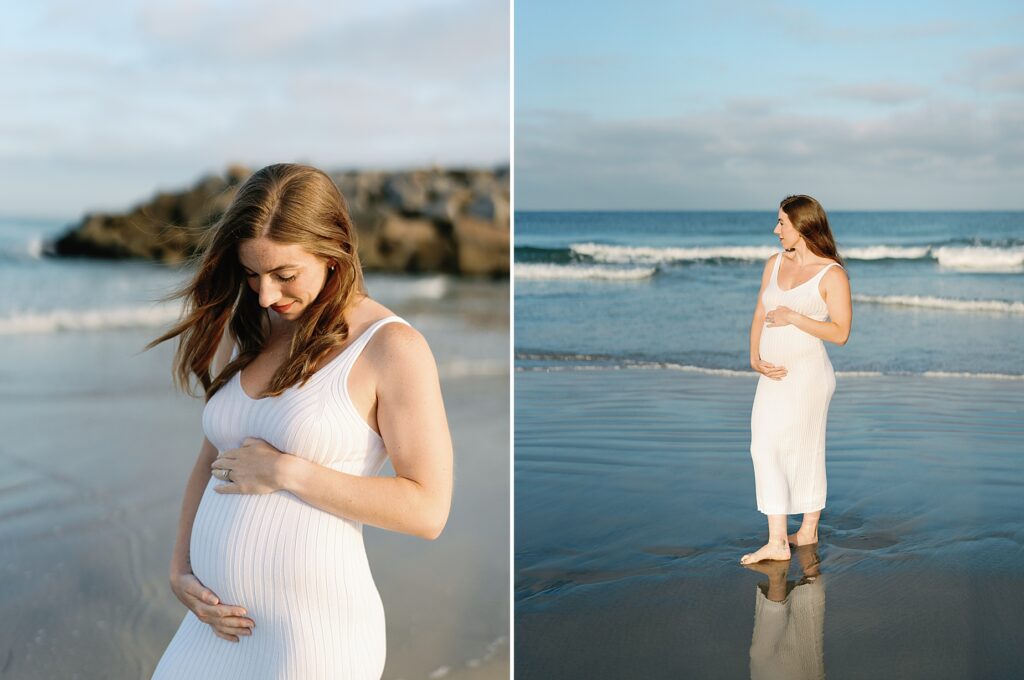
x=934 y=293
x=46 y=295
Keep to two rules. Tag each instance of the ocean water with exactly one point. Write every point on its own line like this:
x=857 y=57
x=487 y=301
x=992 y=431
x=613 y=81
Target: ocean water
x=99 y=446
x=933 y=292
x=46 y=295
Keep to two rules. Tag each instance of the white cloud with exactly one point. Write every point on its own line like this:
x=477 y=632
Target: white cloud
x=936 y=155
x=193 y=86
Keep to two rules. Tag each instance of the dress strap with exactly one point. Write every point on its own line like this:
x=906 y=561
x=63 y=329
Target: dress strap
x=826 y=268
x=364 y=338
x=775 y=269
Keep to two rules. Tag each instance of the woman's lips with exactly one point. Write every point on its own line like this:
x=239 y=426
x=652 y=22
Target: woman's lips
x=282 y=309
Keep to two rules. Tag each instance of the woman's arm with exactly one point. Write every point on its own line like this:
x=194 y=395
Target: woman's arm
x=757 y=325
x=180 y=562
x=758 y=322
x=413 y=425
x=840 y=311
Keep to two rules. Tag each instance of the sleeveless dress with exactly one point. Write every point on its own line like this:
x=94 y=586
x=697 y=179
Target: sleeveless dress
x=787 y=422
x=300 y=572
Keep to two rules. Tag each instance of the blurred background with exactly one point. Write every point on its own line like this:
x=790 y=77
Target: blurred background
x=129 y=126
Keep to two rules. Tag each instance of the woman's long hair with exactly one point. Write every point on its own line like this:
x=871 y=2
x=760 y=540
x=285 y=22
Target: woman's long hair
x=288 y=204
x=809 y=218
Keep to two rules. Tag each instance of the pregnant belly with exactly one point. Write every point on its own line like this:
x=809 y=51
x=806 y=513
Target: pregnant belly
x=275 y=554
x=788 y=345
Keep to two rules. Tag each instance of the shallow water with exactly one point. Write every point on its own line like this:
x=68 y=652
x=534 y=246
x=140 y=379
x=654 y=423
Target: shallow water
x=635 y=500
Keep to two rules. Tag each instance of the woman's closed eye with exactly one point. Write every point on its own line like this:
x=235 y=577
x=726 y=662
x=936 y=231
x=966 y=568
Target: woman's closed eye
x=282 y=279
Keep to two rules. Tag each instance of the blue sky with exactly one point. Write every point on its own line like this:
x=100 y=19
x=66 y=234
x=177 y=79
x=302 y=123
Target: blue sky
x=106 y=102
x=733 y=105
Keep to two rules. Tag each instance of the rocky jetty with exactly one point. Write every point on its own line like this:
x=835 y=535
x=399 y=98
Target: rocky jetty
x=431 y=220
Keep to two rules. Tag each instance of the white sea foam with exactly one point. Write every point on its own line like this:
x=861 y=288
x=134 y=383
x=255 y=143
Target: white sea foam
x=490 y=651
x=999 y=306
x=887 y=253
x=29 y=249
x=656 y=255
x=985 y=376
x=981 y=258
x=967 y=258
x=433 y=288
x=34 y=247
x=704 y=370
x=686 y=368
x=570 y=271
x=22 y=323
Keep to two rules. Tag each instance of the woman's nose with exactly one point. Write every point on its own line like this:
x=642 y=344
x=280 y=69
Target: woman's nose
x=269 y=294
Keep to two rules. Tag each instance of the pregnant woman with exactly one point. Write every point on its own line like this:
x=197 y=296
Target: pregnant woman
x=804 y=299
x=310 y=385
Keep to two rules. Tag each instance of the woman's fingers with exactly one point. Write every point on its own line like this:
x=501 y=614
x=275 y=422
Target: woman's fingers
x=772 y=371
x=236 y=631
x=229 y=638
x=228 y=621
x=195 y=589
x=237 y=622
x=220 y=611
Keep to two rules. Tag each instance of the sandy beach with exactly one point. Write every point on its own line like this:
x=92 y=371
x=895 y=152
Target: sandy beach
x=97 y=452
x=635 y=500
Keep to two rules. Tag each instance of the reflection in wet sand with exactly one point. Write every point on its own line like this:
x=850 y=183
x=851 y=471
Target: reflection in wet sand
x=789 y=620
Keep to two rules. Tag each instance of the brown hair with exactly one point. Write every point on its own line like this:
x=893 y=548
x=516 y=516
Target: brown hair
x=288 y=204
x=809 y=218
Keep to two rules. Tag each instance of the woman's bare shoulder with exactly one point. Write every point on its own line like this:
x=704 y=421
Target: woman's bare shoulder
x=838 y=271
x=392 y=341
x=400 y=339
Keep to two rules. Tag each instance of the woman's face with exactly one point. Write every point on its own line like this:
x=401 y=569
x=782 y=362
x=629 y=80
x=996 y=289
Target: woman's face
x=287 y=278
x=787 y=233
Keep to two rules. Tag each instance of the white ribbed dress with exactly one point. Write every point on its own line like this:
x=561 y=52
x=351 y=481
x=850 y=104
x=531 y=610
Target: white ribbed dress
x=300 y=572
x=787 y=422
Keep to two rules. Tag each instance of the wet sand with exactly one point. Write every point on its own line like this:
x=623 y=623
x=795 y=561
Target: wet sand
x=97 y=450
x=635 y=501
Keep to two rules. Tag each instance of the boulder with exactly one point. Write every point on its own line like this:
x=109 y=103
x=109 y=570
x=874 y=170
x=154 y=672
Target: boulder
x=431 y=220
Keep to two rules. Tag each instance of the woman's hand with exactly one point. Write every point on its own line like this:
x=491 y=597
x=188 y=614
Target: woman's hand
x=780 y=316
x=227 y=621
x=256 y=467
x=769 y=370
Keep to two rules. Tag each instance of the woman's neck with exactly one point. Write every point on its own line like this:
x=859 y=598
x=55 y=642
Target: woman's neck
x=802 y=254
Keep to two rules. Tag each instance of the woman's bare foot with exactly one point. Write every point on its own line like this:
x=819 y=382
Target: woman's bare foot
x=802 y=537
x=769 y=551
x=776 y=570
